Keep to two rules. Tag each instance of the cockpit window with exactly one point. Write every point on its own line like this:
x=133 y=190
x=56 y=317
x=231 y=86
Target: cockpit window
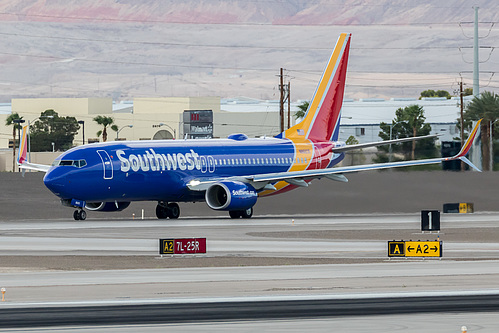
x=82 y=163
x=76 y=163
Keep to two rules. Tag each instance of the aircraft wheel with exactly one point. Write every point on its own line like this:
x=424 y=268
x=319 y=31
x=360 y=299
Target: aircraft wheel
x=161 y=212
x=247 y=213
x=76 y=215
x=82 y=215
x=173 y=210
x=235 y=214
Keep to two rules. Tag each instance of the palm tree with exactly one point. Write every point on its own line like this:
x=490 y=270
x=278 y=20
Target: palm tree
x=485 y=106
x=413 y=115
x=303 y=110
x=409 y=121
x=10 y=121
x=105 y=122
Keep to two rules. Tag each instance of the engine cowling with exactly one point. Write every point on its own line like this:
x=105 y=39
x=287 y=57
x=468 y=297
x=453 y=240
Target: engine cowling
x=107 y=206
x=231 y=195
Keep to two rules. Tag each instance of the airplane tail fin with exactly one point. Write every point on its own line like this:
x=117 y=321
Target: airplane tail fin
x=23 y=147
x=322 y=120
x=22 y=161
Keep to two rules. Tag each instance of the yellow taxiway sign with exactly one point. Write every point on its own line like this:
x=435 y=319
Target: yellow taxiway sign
x=415 y=248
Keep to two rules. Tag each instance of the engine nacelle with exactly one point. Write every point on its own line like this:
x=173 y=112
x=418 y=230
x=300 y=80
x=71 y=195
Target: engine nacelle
x=231 y=195
x=107 y=206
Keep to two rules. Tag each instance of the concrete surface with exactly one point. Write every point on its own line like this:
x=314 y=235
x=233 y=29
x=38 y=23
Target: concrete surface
x=369 y=192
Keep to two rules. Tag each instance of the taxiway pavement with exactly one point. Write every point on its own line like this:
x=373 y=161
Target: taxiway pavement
x=51 y=263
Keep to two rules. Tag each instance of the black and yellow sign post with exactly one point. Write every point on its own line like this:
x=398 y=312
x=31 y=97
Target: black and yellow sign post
x=415 y=248
x=396 y=249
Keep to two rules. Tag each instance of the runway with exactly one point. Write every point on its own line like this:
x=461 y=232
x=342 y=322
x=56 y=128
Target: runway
x=62 y=263
x=263 y=308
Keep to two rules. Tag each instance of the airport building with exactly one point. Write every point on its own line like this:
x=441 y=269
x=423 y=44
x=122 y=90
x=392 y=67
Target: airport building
x=163 y=118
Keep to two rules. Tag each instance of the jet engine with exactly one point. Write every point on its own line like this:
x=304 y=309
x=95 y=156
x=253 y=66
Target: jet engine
x=111 y=206
x=231 y=196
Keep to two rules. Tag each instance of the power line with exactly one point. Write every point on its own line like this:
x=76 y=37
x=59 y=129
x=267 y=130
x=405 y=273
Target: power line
x=229 y=46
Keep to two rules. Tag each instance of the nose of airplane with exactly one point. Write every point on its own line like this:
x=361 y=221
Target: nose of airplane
x=55 y=182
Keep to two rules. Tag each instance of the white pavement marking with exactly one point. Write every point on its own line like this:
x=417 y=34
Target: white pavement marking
x=259 y=273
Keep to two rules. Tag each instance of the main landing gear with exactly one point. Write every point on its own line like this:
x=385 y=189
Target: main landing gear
x=245 y=214
x=80 y=215
x=167 y=210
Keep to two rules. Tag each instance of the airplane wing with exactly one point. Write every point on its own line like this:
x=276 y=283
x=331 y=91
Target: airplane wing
x=21 y=157
x=34 y=167
x=298 y=177
x=381 y=143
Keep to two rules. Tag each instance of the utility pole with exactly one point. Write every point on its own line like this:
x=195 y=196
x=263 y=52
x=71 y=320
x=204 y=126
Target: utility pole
x=281 y=101
x=289 y=104
x=476 y=60
x=461 y=93
x=285 y=95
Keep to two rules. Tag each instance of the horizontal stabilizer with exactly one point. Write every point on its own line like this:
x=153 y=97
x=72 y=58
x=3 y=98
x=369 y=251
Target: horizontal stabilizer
x=381 y=143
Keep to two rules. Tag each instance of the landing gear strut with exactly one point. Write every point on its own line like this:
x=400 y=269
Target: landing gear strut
x=167 y=210
x=80 y=215
x=245 y=214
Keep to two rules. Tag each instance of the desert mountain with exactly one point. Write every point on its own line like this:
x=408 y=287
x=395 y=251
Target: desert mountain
x=126 y=49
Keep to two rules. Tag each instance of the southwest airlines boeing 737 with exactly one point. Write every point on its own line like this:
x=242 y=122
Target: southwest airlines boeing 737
x=228 y=174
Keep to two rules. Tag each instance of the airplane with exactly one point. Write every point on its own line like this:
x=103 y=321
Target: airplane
x=228 y=174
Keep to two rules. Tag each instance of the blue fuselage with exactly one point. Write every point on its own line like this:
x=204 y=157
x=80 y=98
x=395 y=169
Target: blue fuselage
x=160 y=170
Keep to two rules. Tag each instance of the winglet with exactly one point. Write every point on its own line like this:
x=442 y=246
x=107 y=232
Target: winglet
x=466 y=148
x=467 y=145
x=23 y=147
x=22 y=162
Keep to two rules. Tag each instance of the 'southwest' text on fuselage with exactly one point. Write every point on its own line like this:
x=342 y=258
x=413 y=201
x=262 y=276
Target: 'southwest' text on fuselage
x=152 y=161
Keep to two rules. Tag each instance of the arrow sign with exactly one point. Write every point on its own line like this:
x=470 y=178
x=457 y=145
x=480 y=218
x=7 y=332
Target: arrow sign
x=423 y=248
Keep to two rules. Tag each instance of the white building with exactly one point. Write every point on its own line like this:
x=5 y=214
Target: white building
x=362 y=118
x=162 y=117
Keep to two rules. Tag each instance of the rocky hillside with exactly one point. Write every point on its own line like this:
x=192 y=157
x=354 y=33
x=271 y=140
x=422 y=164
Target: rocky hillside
x=315 y=12
x=140 y=48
